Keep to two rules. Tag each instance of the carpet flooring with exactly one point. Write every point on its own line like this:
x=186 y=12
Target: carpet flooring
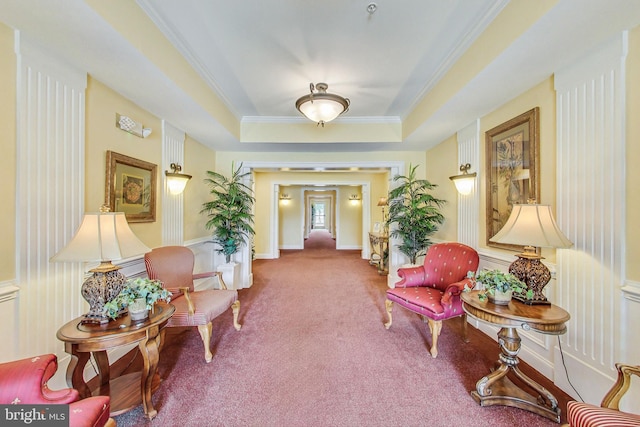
x=313 y=351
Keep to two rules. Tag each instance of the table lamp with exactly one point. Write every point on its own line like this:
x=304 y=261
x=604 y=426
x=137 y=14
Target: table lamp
x=532 y=225
x=382 y=201
x=103 y=236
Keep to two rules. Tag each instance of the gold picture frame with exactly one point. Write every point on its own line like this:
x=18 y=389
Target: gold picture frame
x=512 y=156
x=131 y=187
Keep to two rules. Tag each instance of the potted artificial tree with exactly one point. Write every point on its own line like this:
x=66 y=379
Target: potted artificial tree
x=415 y=212
x=230 y=218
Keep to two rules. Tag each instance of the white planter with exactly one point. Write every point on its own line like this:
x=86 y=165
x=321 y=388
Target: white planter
x=138 y=310
x=230 y=274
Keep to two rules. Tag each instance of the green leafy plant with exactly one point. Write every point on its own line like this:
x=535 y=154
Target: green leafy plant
x=229 y=212
x=151 y=291
x=498 y=281
x=415 y=212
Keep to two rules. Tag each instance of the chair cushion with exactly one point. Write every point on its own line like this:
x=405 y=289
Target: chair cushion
x=90 y=412
x=209 y=304
x=585 y=415
x=426 y=302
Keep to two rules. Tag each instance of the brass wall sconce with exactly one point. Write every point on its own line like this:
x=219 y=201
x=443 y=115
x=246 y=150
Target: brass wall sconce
x=176 y=181
x=465 y=181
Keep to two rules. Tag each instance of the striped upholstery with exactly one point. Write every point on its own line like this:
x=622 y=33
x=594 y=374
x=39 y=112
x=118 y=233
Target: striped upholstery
x=585 y=415
x=173 y=266
x=209 y=305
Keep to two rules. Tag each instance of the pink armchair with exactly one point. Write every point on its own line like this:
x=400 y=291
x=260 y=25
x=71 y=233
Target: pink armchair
x=25 y=382
x=173 y=266
x=433 y=290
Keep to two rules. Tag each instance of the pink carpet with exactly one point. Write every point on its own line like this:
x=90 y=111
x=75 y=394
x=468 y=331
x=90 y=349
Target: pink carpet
x=313 y=351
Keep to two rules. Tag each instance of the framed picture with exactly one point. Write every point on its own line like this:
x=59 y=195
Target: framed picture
x=512 y=154
x=376 y=227
x=131 y=187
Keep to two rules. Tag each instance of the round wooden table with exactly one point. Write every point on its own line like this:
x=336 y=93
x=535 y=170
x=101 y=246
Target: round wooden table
x=496 y=388
x=81 y=340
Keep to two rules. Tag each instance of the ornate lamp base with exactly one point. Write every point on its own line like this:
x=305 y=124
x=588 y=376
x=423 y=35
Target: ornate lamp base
x=103 y=286
x=530 y=270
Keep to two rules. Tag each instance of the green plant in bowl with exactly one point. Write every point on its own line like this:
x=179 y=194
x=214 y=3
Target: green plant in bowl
x=151 y=291
x=495 y=281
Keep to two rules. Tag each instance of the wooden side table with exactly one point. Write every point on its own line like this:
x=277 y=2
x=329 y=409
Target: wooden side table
x=83 y=340
x=496 y=388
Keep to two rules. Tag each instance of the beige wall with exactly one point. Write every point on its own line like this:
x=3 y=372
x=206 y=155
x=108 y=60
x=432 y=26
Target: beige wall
x=441 y=163
x=102 y=104
x=633 y=156
x=198 y=159
x=8 y=169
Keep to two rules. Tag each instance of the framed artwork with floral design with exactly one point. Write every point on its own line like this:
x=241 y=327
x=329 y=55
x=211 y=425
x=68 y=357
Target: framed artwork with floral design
x=131 y=187
x=512 y=155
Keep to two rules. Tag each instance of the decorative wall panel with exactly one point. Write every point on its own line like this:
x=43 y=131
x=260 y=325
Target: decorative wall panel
x=590 y=109
x=172 y=204
x=469 y=205
x=50 y=195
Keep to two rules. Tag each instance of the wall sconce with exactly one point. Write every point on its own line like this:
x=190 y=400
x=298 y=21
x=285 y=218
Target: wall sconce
x=464 y=182
x=285 y=198
x=176 y=181
x=354 y=199
x=127 y=124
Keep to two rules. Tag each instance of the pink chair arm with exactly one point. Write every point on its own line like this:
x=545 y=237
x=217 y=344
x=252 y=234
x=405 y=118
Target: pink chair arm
x=455 y=289
x=411 y=277
x=203 y=275
x=25 y=381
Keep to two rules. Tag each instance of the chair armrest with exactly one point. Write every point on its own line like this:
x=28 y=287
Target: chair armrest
x=411 y=277
x=223 y=285
x=612 y=398
x=455 y=289
x=25 y=381
x=192 y=307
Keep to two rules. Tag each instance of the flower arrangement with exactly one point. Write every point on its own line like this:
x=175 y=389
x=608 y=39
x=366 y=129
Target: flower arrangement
x=498 y=281
x=151 y=291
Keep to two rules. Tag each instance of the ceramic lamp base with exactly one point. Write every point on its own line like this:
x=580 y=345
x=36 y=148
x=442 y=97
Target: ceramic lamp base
x=100 y=288
x=530 y=270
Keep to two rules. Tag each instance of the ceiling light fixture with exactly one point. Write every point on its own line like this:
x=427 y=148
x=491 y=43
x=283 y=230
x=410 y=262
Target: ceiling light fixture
x=322 y=107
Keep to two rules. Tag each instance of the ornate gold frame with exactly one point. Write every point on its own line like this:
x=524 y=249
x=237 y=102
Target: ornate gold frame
x=512 y=157
x=131 y=187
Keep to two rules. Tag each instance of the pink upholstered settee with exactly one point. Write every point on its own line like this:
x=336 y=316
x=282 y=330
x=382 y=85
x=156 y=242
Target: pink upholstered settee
x=433 y=290
x=25 y=382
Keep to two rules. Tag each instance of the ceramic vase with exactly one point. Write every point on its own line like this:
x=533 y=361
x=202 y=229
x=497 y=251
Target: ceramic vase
x=500 y=298
x=138 y=310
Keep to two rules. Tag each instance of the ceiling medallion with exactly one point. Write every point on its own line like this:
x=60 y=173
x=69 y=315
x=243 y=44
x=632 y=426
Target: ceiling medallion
x=322 y=107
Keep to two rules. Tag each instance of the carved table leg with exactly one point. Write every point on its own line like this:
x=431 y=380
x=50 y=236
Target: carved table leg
x=150 y=356
x=75 y=370
x=104 y=371
x=497 y=389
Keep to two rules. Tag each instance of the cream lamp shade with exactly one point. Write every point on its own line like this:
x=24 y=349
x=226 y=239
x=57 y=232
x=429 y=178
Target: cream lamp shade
x=102 y=237
x=532 y=225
